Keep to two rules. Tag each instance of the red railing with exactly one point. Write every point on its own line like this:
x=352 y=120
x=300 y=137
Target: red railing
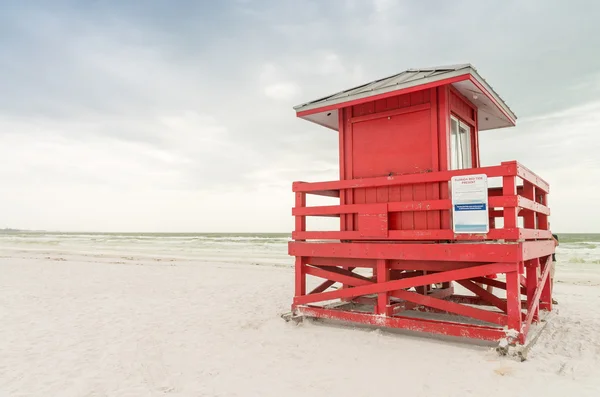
x=522 y=194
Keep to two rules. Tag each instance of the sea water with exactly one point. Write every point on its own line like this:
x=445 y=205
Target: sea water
x=577 y=252
x=250 y=248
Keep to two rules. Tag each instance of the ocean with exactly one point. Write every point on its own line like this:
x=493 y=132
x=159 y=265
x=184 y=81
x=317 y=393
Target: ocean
x=577 y=251
x=250 y=248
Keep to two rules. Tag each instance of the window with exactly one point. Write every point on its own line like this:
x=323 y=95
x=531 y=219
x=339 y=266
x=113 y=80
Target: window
x=460 y=145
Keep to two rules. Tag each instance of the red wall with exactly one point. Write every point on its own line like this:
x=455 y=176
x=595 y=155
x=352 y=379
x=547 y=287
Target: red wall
x=399 y=135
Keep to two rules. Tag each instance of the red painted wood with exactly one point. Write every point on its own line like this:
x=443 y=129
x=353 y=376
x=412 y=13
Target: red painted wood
x=431 y=266
x=433 y=190
x=422 y=205
x=300 y=220
x=468 y=252
x=513 y=301
x=397 y=180
x=337 y=277
x=435 y=278
x=382 y=145
x=390 y=113
x=495 y=284
x=300 y=277
x=532 y=268
x=477 y=301
x=491 y=98
x=424 y=235
x=509 y=188
x=395 y=219
x=383 y=298
x=484 y=295
x=342 y=161
x=546 y=295
x=461 y=107
x=347 y=262
x=322 y=287
x=401 y=94
x=412 y=324
x=534 y=304
x=529 y=195
x=348 y=144
x=451 y=307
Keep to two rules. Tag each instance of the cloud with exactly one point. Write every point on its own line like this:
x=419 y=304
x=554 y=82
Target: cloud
x=284 y=91
x=127 y=116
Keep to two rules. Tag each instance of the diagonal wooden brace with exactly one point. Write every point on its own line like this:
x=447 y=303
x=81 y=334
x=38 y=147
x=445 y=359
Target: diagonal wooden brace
x=374 y=288
x=451 y=307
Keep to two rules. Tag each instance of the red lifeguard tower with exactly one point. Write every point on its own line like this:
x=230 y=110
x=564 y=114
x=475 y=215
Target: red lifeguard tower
x=419 y=218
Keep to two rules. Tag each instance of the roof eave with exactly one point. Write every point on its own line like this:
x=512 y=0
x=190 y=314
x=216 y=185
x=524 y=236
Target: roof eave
x=339 y=102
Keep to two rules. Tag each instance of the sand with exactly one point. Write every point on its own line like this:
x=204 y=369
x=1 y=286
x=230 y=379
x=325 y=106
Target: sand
x=110 y=325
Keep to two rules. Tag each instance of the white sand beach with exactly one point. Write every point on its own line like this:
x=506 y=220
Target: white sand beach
x=79 y=321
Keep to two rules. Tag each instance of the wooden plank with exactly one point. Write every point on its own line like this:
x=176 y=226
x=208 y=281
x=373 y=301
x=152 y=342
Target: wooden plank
x=389 y=286
x=532 y=206
x=300 y=220
x=513 y=301
x=408 y=323
x=484 y=295
x=419 y=252
x=533 y=306
x=337 y=277
x=451 y=307
x=537 y=249
x=390 y=113
x=334 y=262
x=300 y=276
x=429 y=235
x=527 y=175
x=397 y=180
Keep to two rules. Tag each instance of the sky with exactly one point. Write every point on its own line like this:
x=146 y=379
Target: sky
x=177 y=116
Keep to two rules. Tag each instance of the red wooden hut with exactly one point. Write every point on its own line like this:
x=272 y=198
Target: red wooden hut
x=420 y=220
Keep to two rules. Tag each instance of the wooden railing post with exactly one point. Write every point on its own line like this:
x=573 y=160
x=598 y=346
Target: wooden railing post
x=300 y=219
x=529 y=217
x=513 y=300
x=383 y=298
x=546 y=297
x=300 y=276
x=543 y=218
x=533 y=274
x=509 y=188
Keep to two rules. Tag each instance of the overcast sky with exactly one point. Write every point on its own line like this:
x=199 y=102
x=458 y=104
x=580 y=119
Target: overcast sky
x=176 y=116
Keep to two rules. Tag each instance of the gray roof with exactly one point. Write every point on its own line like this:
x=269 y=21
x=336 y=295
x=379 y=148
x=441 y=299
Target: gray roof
x=406 y=79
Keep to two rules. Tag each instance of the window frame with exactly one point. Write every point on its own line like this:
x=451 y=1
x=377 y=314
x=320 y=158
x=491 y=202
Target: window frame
x=456 y=143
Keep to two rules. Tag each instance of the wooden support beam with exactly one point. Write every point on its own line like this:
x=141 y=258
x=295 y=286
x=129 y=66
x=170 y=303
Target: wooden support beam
x=434 y=278
x=451 y=307
x=411 y=324
x=337 y=277
x=476 y=252
x=513 y=301
x=535 y=301
x=484 y=295
x=383 y=298
x=300 y=276
x=325 y=284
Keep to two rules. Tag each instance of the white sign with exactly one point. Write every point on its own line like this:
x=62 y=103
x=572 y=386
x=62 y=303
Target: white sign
x=470 y=204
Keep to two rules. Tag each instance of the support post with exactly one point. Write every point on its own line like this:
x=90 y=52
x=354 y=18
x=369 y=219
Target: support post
x=300 y=219
x=513 y=301
x=532 y=267
x=383 y=298
x=529 y=217
x=509 y=188
x=546 y=298
x=300 y=276
x=543 y=218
